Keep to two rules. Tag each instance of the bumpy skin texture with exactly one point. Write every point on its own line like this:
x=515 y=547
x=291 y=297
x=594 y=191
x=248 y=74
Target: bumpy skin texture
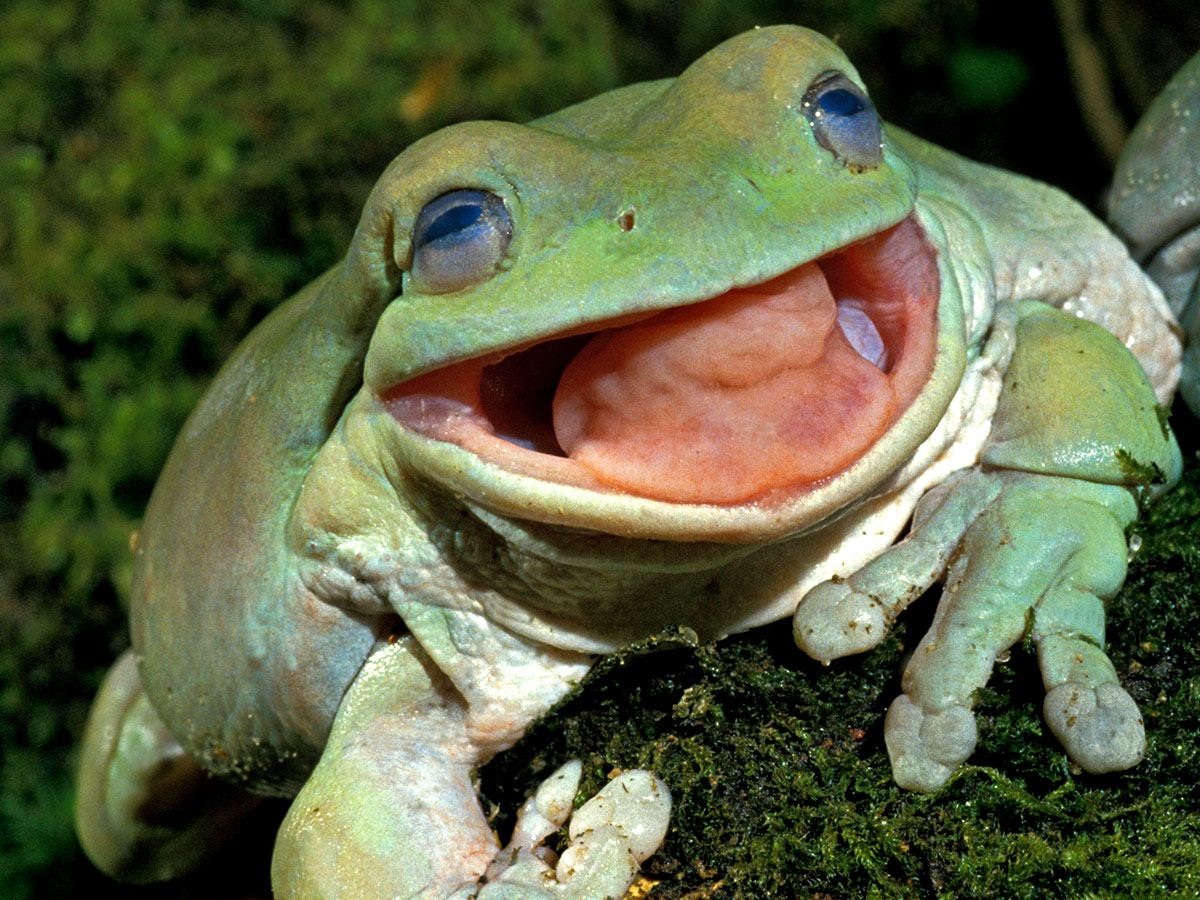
x=351 y=588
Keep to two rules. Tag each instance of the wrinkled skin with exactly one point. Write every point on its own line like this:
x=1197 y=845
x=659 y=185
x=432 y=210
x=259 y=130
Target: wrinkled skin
x=416 y=504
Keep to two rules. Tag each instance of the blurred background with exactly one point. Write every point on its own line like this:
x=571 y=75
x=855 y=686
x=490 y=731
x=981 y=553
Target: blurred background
x=171 y=170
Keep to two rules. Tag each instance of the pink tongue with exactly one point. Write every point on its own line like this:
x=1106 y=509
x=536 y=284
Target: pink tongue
x=721 y=401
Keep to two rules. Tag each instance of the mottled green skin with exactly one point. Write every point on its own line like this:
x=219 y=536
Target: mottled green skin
x=304 y=559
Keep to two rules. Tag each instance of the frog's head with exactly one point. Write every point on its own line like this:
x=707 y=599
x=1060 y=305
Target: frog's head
x=692 y=309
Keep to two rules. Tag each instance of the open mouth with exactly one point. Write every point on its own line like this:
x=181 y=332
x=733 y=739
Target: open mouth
x=755 y=395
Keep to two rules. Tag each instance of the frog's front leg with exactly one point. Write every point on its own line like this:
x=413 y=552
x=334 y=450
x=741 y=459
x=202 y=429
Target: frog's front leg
x=1030 y=543
x=390 y=810
x=1040 y=559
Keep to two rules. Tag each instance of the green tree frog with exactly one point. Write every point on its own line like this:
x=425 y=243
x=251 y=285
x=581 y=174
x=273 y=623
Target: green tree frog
x=695 y=353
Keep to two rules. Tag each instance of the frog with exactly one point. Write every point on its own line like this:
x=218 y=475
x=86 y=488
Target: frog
x=703 y=354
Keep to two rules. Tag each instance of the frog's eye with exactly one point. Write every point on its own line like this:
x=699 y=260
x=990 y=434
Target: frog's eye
x=458 y=240
x=843 y=121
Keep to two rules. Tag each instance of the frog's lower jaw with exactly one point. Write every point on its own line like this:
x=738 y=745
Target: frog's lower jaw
x=740 y=417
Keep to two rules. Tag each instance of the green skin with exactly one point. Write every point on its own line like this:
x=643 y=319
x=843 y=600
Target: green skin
x=329 y=603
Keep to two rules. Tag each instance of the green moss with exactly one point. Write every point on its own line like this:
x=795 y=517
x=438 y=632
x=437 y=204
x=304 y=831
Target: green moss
x=1137 y=472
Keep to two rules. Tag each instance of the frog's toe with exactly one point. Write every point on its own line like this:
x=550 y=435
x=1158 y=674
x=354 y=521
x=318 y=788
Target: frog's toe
x=1092 y=716
x=926 y=747
x=542 y=815
x=835 y=620
x=1100 y=727
x=636 y=805
x=610 y=836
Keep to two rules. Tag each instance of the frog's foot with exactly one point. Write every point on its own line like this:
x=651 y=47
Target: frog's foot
x=1022 y=554
x=145 y=810
x=390 y=811
x=1099 y=726
x=610 y=835
x=1039 y=561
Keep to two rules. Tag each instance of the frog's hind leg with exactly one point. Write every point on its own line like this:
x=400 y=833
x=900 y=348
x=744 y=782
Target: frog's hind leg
x=144 y=810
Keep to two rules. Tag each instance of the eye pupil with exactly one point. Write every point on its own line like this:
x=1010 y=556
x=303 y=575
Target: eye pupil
x=843 y=121
x=840 y=102
x=456 y=218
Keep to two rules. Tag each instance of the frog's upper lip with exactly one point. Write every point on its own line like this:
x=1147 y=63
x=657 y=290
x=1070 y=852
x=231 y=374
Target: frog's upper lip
x=483 y=427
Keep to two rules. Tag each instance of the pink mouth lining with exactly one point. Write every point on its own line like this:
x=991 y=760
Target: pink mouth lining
x=757 y=394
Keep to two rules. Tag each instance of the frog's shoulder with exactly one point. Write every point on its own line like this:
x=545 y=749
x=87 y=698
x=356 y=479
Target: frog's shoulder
x=1076 y=403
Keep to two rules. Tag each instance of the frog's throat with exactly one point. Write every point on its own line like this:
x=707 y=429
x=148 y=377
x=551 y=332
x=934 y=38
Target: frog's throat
x=755 y=396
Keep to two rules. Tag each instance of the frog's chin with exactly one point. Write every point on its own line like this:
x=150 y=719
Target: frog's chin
x=745 y=416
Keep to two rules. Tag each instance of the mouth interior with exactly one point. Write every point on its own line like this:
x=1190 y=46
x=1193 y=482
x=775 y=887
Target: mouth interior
x=517 y=393
x=756 y=394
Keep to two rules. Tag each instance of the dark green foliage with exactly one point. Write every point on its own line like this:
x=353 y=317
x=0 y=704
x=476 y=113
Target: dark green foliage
x=171 y=170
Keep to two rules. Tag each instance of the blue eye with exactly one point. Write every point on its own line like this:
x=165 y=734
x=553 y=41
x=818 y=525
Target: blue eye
x=843 y=121
x=458 y=240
